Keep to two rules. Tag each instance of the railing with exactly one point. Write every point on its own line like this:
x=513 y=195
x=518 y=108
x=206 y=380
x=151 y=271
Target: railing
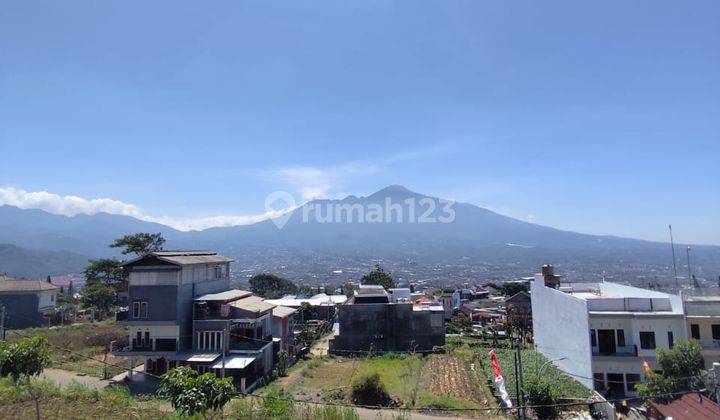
x=159 y=344
x=243 y=344
x=711 y=343
x=627 y=351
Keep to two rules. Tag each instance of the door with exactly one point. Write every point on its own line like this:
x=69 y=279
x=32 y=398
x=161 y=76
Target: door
x=606 y=341
x=616 y=385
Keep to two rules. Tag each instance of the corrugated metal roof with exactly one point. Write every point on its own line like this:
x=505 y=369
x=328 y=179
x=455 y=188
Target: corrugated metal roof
x=227 y=295
x=9 y=285
x=690 y=406
x=183 y=257
x=235 y=362
x=252 y=304
x=283 y=311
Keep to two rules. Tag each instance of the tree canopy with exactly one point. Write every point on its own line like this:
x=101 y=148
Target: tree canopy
x=682 y=370
x=27 y=357
x=140 y=243
x=378 y=276
x=510 y=288
x=191 y=393
x=99 y=296
x=271 y=286
x=105 y=270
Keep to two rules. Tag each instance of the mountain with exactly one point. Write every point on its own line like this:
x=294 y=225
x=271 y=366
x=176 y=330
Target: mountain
x=412 y=233
x=21 y=263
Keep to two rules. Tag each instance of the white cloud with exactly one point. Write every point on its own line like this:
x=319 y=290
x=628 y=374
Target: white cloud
x=70 y=205
x=319 y=182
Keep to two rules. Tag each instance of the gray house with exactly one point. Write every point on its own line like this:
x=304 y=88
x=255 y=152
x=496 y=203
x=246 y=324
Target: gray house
x=370 y=322
x=28 y=303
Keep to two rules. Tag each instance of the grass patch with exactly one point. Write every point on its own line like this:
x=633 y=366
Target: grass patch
x=84 y=340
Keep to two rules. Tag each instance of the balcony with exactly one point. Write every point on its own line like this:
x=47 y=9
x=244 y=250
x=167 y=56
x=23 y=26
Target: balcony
x=621 y=351
x=243 y=344
x=709 y=344
x=155 y=344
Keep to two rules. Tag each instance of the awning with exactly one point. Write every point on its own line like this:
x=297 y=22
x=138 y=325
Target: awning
x=197 y=357
x=235 y=362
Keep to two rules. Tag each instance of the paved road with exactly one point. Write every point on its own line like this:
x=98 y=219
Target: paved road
x=65 y=378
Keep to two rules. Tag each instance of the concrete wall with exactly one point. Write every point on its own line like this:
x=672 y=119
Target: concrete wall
x=47 y=299
x=561 y=330
x=21 y=311
x=388 y=328
x=161 y=300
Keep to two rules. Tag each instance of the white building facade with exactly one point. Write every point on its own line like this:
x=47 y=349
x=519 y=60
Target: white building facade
x=600 y=333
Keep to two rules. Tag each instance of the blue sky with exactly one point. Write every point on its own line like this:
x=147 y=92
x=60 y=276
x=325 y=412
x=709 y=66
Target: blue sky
x=599 y=118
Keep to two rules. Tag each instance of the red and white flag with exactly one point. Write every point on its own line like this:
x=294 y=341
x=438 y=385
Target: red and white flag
x=499 y=378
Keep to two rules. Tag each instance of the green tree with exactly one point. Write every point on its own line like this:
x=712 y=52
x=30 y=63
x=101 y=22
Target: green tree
x=378 y=276
x=191 y=393
x=140 y=243
x=105 y=270
x=540 y=393
x=510 y=288
x=682 y=369
x=23 y=360
x=99 y=296
x=283 y=360
x=271 y=286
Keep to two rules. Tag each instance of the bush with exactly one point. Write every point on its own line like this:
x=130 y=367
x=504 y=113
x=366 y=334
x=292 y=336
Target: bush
x=276 y=404
x=369 y=390
x=540 y=393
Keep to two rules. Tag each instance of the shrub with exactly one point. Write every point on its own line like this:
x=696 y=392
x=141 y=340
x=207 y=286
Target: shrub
x=540 y=393
x=369 y=390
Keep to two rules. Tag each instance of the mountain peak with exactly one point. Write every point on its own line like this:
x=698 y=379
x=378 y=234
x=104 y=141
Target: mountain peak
x=393 y=191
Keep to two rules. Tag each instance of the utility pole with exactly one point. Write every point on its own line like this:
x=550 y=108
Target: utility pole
x=226 y=337
x=672 y=246
x=519 y=381
x=2 y=322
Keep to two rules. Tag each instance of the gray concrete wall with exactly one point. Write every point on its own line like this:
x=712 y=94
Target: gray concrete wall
x=561 y=330
x=387 y=328
x=162 y=303
x=21 y=311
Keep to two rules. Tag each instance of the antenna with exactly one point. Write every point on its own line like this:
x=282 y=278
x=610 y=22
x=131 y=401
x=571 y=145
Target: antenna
x=688 y=263
x=672 y=246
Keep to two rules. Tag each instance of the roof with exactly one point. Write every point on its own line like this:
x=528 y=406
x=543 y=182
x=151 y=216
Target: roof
x=519 y=297
x=425 y=299
x=321 y=299
x=228 y=295
x=183 y=257
x=235 y=362
x=252 y=304
x=194 y=356
x=689 y=406
x=283 y=311
x=371 y=290
x=8 y=285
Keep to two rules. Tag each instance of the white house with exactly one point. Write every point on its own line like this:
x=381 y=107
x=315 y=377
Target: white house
x=600 y=333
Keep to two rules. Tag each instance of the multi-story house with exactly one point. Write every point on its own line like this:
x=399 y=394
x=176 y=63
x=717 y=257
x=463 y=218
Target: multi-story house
x=369 y=322
x=601 y=333
x=283 y=329
x=181 y=312
x=450 y=301
x=27 y=303
x=702 y=315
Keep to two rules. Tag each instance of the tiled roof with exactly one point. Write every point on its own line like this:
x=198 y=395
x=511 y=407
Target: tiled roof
x=690 y=406
x=9 y=286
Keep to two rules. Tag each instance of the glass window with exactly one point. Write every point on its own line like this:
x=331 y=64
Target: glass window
x=695 y=331
x=647 y=340
x=621 y=338
x=630 y=380
x=136 y=309
x=716 y=331
x=143 y=310
x=593 y=341
x=671 y=339
x=599 y=381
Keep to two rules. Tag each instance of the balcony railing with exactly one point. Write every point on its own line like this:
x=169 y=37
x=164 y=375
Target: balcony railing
x=710 y=344
x=626 y=351
x=155 y=344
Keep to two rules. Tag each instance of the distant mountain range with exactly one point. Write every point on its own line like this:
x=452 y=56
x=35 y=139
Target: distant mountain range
x=308 y=239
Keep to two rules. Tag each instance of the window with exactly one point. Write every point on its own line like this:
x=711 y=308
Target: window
x=593 y=341
x=621 y=338
x=716 y=331
x=140 y=309
x=695 y=331
x=218 y=272
x=209 y=340
x=52 y=298
x=599 y=381
x=647 y=340
x=630 y=380
x=671 y=341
